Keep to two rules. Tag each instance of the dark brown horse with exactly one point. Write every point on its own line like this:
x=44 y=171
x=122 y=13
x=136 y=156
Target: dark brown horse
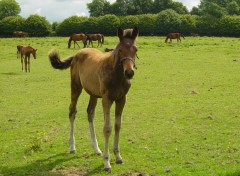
x=95 y=37
x=101 y=75
x=26 y=51
x=194 y=34
x=174 y=36
x=20 y=34
x=77 y=37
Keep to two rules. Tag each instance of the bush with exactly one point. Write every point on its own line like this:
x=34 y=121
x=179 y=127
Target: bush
x=90 y=25
x=108 y=24
x=207 y=25
x=70 y=26
x=229 y=26
x=10 y=24
x=37 y=26
x=188 y=24
x=146 y=24
x=129 y=22
x=167 y=21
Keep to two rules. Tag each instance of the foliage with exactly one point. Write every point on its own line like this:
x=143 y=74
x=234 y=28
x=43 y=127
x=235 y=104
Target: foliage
x=90 y=25
x=9 y=8
x=229 y=26
x=129 y=22
x=147 y=24
x=10 y=24
x=108 y=24
x=37 y=25
x=167 y=21
x=188 y=24
x=207 y=25
x=70 y=25
x=98 y=8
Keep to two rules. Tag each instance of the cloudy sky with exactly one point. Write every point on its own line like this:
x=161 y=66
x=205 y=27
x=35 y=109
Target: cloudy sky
x=58 y=10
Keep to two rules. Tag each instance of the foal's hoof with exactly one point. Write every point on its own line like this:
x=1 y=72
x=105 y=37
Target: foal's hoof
x=119 y=161
x=73 y=152
x=108 y=170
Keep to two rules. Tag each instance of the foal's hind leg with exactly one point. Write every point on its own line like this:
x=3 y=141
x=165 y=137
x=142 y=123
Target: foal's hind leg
x=76 y=90
x=91 y=113
x=118 y=120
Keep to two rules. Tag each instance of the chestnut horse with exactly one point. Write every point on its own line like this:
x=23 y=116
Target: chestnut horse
x=26 y=51
x=105 y=76
x=20 y=34
x=95 y=37
x=77 y=37
x=174 y=36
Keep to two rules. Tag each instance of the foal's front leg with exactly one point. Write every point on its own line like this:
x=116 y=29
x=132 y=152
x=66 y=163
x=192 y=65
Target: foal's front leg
x=118 y=120
x=107 y=131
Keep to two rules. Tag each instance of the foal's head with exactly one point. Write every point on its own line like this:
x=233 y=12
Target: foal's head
x=127 y=50
x=34 y=53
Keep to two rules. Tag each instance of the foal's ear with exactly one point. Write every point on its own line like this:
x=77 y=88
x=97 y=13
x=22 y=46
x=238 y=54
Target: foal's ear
x=120 y=33
x=135 y=32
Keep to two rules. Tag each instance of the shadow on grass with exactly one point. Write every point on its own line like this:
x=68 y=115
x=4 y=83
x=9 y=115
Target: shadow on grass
x=10 y=73
x=44 y=167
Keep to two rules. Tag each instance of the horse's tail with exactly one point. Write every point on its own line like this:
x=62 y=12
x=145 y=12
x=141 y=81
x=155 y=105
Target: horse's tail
x=69 y=41
x=57 y=63
x=102 y=38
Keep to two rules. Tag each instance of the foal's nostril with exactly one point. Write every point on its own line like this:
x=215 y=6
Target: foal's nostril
x=129 y=74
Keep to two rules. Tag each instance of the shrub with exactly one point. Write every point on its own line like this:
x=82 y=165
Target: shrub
x=108 y=24
x=37 y=26
x=10 y=24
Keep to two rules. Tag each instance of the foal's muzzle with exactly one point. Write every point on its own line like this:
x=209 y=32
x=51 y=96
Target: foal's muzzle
x=129 y=74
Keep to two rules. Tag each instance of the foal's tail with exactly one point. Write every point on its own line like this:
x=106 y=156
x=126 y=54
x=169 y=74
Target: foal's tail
x=57 y=63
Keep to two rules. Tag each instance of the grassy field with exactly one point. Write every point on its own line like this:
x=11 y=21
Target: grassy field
x=182 y=114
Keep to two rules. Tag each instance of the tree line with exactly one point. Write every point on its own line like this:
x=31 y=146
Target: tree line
x=200 y=19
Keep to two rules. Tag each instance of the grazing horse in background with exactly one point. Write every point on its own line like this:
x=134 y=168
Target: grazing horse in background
x=95 y=37
x=77 y=37
x=101 y=75
x=26 y=51
x=20 y=34
x=195 y=35
x=174 y=36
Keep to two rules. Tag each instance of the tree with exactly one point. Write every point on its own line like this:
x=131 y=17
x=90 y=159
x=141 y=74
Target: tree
x=71 y=25
x=108 y=24
x=37 y=26
x=167 y=21
x=10 y=24
x=160 y=5
x=129 y=21
x=233 y=8
x=179 y=8
x=9 y=8
x=98 y=8
x=214 y=10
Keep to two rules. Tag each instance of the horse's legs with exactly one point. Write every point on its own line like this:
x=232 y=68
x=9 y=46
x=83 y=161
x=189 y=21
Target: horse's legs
x=22 y=61
x=25 y=62
x=91 y=113
x=77 y=44
x=118 y=120
x=107 y=131
x=76 y=89
x=28 y=63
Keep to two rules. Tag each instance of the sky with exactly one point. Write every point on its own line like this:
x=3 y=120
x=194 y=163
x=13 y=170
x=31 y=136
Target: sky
x=58 y=10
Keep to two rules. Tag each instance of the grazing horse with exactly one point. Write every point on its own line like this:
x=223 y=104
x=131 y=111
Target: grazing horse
x=95 y=37
x=195 y=35
x=20 y=34
x=101 y=75
x=25 y=51
x=174 y=36
x=77 y=37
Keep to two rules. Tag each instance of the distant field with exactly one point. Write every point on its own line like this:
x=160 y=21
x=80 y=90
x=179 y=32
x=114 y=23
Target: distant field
x=182 y=115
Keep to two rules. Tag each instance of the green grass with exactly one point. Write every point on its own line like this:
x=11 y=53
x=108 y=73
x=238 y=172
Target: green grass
x=181 y=118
